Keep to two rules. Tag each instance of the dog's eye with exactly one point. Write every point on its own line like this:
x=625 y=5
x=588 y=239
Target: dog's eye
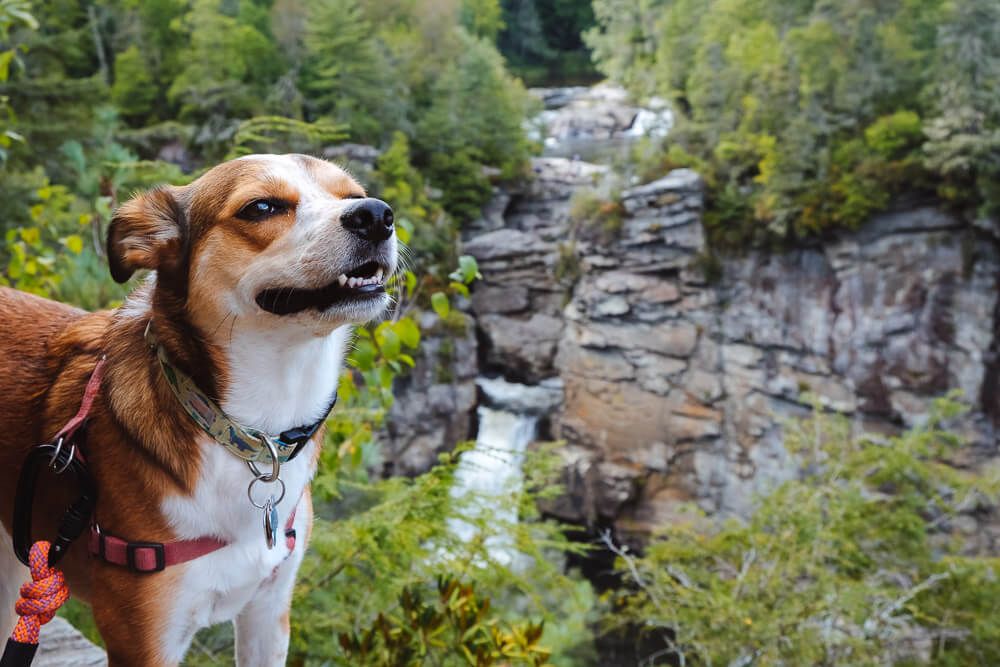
x=260 y=209
x=353 y=197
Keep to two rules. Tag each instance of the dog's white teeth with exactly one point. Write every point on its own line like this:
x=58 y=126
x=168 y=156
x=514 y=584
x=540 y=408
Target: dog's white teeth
x=352 y=282
x=342 y=279
x=378 y=276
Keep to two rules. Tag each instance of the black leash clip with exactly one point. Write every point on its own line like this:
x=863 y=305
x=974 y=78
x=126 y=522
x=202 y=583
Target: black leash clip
x=61 y=459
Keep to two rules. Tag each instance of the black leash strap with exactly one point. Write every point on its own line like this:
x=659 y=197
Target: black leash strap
x=61 y=458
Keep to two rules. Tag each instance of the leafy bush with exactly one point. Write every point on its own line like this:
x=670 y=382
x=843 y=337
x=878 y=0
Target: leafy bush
x=452 y=629
x=852 y=563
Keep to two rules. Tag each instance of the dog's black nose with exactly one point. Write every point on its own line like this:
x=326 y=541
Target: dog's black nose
x=371 y=219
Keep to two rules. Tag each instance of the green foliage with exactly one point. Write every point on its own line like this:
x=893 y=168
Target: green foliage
x=38 y=253
x=851 y=563
x=228 y=66
x=422 y=225
x=440 y=304
x=568 y=267
x=452 y=629
x=809 y=116
x=277 y=134
x=12 y=13
x=386 y=537
x=134 y=90
x=591 y=212
x=344 y=70
x=482 y=18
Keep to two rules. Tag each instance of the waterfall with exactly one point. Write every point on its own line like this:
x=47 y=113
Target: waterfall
x=491 y=472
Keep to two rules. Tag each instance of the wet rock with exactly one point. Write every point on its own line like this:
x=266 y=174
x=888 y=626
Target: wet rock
x=534 y=400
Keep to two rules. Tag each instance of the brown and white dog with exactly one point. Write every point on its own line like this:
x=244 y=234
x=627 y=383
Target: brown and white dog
x=257 y=270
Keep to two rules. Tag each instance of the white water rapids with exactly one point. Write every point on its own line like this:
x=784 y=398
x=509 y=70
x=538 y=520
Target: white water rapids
x=490 y=475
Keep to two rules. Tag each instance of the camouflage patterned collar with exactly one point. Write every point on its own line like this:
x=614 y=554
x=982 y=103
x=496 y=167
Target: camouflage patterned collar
x=247 y=443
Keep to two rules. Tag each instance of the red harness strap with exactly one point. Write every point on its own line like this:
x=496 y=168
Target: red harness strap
x=67 y=432
x=149 y=556
x=145 y=557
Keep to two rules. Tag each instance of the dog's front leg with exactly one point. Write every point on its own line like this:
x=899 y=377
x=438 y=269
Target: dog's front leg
x=262 y=627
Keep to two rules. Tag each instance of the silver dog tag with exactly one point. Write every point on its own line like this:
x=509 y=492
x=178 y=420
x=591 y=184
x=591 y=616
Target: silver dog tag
x=270 y=522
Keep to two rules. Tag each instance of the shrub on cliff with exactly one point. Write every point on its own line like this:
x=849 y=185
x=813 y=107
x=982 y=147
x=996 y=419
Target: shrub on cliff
x=854 y=562
x=812 y=115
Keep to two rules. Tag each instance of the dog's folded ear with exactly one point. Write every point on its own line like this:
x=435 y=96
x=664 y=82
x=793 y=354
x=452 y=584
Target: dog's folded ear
x=147 y=232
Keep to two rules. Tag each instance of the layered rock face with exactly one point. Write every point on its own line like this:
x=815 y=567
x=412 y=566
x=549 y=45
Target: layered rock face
x=677 y=387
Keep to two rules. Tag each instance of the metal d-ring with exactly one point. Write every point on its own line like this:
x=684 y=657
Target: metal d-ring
x=275 y=463
x=253 y=502
x=55 y=456
x=69 y=460
x=58 y=444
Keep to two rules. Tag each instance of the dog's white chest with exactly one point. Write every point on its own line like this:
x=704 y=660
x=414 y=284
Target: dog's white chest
x=216 y=587
x=291 y=385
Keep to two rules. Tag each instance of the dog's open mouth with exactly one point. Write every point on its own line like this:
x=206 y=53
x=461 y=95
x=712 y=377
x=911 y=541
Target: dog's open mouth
x=364 y=282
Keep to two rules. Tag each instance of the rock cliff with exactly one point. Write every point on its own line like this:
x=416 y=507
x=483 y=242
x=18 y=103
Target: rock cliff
x=676 y=386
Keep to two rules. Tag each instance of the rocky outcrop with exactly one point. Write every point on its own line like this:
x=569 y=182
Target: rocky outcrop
x=519 y=302
x=437 y=400
x=676 y=388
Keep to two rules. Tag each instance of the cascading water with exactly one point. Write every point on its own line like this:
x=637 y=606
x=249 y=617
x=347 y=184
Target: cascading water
x=492 y=471
x=490 y=474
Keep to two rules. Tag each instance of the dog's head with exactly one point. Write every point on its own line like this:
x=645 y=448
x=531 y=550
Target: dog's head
x=268 y=239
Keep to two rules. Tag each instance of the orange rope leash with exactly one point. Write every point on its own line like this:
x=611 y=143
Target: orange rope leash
x=41 y=597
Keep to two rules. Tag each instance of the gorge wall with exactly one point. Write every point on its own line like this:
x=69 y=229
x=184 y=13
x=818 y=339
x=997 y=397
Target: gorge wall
x=677 y=379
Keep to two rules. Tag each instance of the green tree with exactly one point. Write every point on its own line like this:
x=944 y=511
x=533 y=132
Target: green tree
x=345 y=72
x=134 y=91
x=230 y=66
x=474 y=119
x=543 y=40
x=964 y=133
x=12 y=13
x=482 y=18
x=775 y=100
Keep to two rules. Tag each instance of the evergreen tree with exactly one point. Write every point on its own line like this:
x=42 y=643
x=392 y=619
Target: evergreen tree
x=345 y=73
x=134 y=91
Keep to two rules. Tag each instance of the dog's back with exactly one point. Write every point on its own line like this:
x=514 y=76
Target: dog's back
x=28 y=327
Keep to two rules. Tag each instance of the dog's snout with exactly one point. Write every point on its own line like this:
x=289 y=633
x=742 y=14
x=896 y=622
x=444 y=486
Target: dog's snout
x=371 y=219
